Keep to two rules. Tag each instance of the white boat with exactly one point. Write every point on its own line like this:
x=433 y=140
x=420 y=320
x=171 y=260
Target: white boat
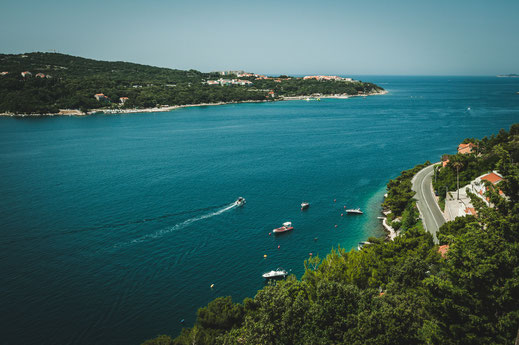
x=305 y=205
x=287 y=226
x=240 y=201
x=354 y=211
x=278 y=273
x=362 y=244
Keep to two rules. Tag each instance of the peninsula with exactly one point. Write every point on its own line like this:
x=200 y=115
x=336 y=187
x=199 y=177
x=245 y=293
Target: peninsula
x=59 y=84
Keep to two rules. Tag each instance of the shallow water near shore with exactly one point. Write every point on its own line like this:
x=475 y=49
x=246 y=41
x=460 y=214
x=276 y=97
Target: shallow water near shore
x=113 y=227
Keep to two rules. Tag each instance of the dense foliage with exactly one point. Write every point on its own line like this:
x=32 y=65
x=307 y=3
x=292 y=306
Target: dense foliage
x=398 y=292
x=71 y=82
x=399 y=204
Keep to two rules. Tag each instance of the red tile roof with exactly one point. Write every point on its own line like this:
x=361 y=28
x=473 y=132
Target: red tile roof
x=492 y=178
x=471 y=210
x=443 y=250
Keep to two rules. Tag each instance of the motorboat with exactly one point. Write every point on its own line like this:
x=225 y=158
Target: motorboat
x=287 y=226
x=354 y=211
x=305 y=205
x=277 y=273
x=362 y=244
x=240 y=201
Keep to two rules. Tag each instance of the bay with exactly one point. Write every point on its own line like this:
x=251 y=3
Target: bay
x=113 y=227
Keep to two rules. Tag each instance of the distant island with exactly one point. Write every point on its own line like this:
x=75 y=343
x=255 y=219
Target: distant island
x=511 y=75
x=59 y=84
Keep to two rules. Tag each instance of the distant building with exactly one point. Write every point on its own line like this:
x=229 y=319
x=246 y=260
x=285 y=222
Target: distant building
x=242 y=82
x=40 y=75
x=100 y=97
x=272 y=94
x=230 y=72
x=4 y=73
x=26 y=74
x=213 y=82
x=326 y=77
x=466 y=148
x=123 y=99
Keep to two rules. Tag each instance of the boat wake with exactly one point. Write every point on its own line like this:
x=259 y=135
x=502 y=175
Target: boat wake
x=113 y=225
x=177 y=226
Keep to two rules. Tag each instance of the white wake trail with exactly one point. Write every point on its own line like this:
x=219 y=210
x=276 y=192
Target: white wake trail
x=178 y=226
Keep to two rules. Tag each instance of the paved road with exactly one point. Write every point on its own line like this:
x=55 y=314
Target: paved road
x=429 y=209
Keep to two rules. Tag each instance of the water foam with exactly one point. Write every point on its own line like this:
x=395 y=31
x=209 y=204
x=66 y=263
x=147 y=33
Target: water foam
x=178 y=226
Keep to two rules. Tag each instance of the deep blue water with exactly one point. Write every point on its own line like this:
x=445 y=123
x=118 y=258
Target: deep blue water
x=113 y=227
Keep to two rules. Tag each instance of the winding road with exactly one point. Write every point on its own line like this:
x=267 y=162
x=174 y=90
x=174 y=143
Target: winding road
x=429 y=210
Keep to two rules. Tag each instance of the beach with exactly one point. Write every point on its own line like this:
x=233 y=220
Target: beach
x=165 y=108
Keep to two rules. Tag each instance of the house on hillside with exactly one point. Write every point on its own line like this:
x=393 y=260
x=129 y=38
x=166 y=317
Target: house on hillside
x=100 y=97
x=479 y=188
x=466 y=148
x=40 y=75
x=123 y=99
x=4 y=73
x=26 y=74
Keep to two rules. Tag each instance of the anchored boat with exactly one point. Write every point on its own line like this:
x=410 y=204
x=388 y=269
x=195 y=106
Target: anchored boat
x=354 y=211
x=278 y=273
x=287 y=226
x=305 y=205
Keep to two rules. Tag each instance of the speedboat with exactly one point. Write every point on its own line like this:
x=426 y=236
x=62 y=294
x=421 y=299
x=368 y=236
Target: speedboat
x=278 y=273
x=305 y=205
x=354 y=211
x=240 y=201
x=287 y=226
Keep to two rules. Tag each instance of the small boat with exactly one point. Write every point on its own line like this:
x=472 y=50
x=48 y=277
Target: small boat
x=278 y=273
x=354 y=211
x=240 y=201
x=362 y=244
x=287 y=226
x=305 y=205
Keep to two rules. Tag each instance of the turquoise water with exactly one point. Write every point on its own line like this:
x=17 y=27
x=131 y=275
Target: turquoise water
x=113 y=227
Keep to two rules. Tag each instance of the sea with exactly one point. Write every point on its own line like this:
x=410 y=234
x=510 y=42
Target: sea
x=113 y=228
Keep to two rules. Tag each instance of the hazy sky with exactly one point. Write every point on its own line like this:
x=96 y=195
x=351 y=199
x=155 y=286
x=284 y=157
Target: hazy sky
x=434 y=37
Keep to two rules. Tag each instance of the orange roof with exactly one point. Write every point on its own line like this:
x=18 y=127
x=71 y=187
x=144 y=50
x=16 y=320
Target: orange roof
x=99 y=94
x=492 y=178
x=462 y=146
x=443 y=250
x=471 y=210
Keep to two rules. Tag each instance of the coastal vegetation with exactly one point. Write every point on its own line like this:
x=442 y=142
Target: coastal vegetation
x=405 y=291
x=58 y=81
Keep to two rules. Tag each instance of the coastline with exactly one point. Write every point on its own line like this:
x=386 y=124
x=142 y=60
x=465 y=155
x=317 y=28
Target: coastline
x=76 y=112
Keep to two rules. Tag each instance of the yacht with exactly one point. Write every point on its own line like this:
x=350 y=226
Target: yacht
x=287 y=226
x=278 y=273
x=305 y=205
x=354 y=211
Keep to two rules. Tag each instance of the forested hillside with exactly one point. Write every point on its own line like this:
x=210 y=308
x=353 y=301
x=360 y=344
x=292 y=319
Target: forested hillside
x=58 y=81
x=406 y=291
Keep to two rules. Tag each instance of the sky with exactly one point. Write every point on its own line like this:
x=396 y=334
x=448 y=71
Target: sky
x=396 y=37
